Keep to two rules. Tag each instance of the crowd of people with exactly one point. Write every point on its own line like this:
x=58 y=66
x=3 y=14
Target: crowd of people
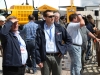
x=45 y=42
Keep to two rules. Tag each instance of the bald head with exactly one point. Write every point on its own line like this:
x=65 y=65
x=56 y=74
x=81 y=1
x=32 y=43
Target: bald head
x=57 y=16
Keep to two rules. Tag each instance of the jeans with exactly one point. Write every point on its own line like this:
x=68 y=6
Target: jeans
x=75 y=56
x=88 y=53
x=31 y=61
x=83 y=58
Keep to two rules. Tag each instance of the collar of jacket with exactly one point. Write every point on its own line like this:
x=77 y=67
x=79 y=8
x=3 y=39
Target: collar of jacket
x=42 y=24
x=58 y=29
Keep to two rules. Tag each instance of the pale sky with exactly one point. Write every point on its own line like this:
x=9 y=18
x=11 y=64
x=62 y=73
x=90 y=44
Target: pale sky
x=53 y=3
x=38 y=3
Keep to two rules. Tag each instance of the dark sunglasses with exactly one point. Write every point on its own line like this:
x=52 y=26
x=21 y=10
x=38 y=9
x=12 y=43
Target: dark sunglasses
x=50 y=16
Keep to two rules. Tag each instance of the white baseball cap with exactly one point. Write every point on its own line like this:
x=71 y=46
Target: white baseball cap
x=2 y=18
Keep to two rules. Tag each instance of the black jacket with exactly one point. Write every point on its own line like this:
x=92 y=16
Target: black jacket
x=41 y=42
x=90 y=28
x=11 y=48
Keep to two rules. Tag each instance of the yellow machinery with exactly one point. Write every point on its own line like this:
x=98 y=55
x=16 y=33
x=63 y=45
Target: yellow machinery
x=21 y=12
x=70 y=10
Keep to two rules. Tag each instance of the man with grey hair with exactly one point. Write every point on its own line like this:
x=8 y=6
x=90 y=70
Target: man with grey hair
x=58 y=20
x=57 y=17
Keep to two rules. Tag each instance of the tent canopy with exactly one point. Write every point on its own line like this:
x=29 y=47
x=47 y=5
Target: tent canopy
x=46 y=7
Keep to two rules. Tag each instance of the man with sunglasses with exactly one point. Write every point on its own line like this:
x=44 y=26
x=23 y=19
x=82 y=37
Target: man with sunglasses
x=49 y=46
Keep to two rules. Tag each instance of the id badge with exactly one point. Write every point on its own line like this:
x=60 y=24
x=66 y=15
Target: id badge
x=51 y=45
x=22 y=50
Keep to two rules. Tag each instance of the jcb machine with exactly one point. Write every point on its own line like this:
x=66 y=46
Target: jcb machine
x=70 y=10
x=20 y=11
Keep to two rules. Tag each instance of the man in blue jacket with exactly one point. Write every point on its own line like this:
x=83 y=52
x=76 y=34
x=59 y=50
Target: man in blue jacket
x=29 y=32
x=49 y=45
x=14 y=48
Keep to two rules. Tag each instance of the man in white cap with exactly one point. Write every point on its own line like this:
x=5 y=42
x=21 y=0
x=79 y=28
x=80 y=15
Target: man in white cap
x=2 y=21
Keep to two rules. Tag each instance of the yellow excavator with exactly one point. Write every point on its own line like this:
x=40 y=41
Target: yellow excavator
x=20 y=11
x=70 y=10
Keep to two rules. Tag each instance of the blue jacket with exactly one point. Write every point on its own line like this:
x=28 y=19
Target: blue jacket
x=41 y=42
x=29 y=30
x=11 y=48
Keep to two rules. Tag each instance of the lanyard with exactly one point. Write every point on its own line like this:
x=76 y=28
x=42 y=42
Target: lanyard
x=50 y=33
x=18 y=37
x=20 y=40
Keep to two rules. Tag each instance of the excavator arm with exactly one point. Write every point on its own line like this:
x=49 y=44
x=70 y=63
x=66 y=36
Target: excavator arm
x=72 y=3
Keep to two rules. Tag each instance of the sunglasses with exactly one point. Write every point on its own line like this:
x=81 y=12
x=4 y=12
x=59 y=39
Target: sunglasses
x=51 y=16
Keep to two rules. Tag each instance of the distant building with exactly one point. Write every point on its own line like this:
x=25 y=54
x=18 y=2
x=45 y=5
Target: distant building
x=77 y=7
x=91 y=8
x=63 y=9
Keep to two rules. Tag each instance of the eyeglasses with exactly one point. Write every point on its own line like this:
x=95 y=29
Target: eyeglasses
x=50 y=16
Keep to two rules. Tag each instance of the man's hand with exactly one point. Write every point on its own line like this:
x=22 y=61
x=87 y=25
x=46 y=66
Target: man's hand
x=95 y=28
x=98 y=40
x=60 y=55
x=40 y=65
